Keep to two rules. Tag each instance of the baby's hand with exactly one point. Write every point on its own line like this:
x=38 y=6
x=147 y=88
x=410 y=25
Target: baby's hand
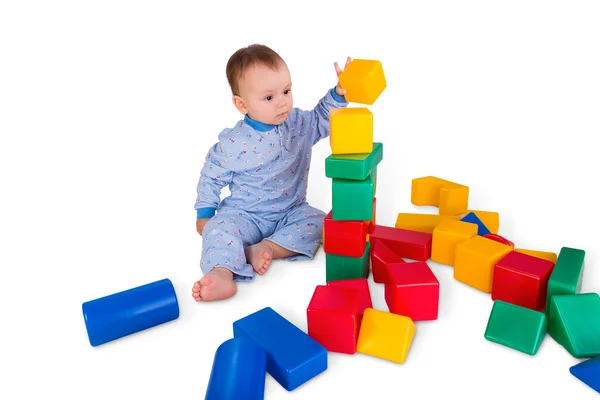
x=200 y=222
x=338 y=89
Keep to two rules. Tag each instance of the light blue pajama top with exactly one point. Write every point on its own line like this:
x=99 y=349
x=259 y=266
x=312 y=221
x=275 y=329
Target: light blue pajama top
x=266 y=166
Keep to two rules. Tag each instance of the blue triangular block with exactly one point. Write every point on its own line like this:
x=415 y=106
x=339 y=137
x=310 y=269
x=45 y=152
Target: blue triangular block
x=474 y=219
x=588 y=372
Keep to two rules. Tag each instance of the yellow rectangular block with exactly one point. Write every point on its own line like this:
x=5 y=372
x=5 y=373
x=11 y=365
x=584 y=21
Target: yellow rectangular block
x=421 y=222
x=475 y=260
x=446 y=236
x=363 y=81
x=490 y=219
x=351 y=130
x=451 y=198
x=385 y=335
x=546 y=255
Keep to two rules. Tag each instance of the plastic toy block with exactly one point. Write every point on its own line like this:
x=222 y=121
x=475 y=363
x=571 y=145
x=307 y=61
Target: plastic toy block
x=516 y=327
x=474 y=219
x=363 y=80
x=352 y=200
x=490 y=219
x=353 y=166
x=405 y=243
x=546 y=255
x=567 y=275
x=339 y=268
x=475 y=260
x=333 y=319
x=293 y=357
x=412 y=290
x=381 y=256
x=364 y=294
x=446 y=236
x=499 y=239
x=345 y=238
x=130 y=311
x=588 y=372
x=574 y=322
x=451 y=198
x=421 y=222
x=386 y=335
x=351 y=130
x=522 y=279
x=238 y=371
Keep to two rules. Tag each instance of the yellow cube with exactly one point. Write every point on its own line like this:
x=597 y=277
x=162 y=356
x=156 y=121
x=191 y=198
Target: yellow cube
x=490 y=219
x=475 y=260
x=421 y=222
x=546 y=255
x=451 y=198
x=385 y=335
x=446 y=236
x=351 y=130
x=363 y=81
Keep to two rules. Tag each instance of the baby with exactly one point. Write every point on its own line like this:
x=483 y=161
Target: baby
x=265 y=159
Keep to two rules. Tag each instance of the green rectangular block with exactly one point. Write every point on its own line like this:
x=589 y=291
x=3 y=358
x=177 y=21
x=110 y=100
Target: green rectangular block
x=352 y=200
x=574 y=322
x=353 y=166
x=516 y=327
x=567 y=274
x=339 y=268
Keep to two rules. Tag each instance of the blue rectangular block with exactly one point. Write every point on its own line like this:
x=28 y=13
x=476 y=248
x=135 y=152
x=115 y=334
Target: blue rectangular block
x=474 y=219
x=293 y=357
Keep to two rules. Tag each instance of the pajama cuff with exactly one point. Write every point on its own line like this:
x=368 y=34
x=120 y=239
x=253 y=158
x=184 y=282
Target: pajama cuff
x=337 y=97
x=206 y=212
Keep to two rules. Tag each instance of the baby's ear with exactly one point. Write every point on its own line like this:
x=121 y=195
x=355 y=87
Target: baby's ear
x=239 y=103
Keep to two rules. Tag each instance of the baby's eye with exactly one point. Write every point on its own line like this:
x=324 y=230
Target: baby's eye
x=269 y=98
x=286 y=91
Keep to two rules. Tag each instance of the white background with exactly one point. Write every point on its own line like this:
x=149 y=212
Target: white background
x=107 y=110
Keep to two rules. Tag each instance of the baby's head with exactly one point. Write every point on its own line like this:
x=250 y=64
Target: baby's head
x=260 y=83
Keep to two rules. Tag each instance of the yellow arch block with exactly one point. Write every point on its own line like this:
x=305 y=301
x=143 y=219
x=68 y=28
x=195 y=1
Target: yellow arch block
x=363 y=81
x=421 y=222
x=546 y=255
x=490 y=219
x=385 y=335
x=446 y=236
x=451 y=198
x=475 y=260
x=351 y=130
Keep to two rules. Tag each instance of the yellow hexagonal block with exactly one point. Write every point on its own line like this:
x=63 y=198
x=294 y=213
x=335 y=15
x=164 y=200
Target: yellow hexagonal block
x=546 y=255
x=446 y=236
x=451 y=198
x=421 y=222
x=475 y=260
x=385 y=335
x=490 y=219
x=351 y=130
x=363 y=81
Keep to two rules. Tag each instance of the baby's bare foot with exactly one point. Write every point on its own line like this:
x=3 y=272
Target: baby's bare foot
x=259 y=256
x=217 y=284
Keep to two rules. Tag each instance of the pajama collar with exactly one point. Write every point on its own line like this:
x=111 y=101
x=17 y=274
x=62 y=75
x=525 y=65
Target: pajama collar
x=257 y=125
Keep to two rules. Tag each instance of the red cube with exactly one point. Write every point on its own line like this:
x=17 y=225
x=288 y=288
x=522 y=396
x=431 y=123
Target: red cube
x=345 y=238
x=364 y=294
x=333 y=318
x=381 y=256
x=522 y=280
x=412 y=290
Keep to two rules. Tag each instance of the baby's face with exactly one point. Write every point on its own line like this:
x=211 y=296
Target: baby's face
x=267 y=93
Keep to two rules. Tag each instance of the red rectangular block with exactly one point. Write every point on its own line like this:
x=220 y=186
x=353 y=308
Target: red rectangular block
x=345 y=238
x=381 y=256
x=412 y=290
x=405 y=243
x=362 y=286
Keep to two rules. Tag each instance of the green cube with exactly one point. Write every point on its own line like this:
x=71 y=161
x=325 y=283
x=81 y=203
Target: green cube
x=516 y=327
x=352 y=200
x=567 y=274
x=338 y=268
x=353 y=166
x=574 y=322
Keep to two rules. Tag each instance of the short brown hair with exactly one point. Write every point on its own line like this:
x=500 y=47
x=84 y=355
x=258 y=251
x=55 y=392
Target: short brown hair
x=247 y=57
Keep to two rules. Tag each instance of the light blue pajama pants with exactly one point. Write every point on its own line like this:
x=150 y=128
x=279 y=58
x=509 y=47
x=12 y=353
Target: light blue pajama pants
x=228 y=232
